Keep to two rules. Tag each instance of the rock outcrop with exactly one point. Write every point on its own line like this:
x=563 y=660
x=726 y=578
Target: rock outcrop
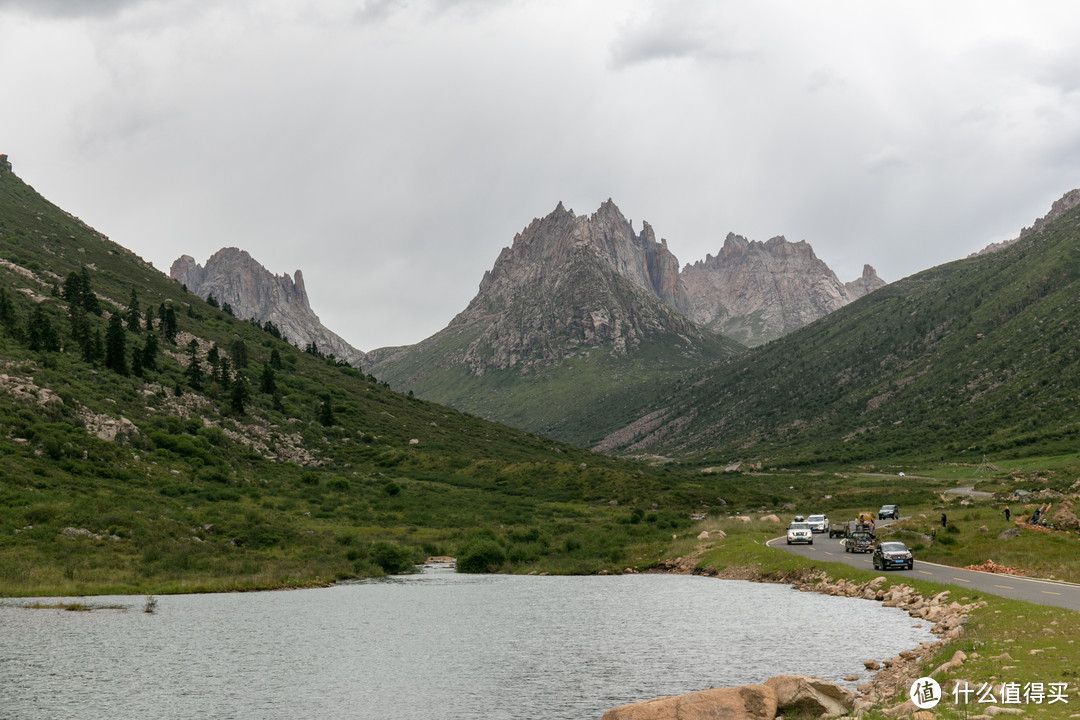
x=232 y=276
x=749 y=702
x=1062 y=205
x=754 y=292
x=568 y=283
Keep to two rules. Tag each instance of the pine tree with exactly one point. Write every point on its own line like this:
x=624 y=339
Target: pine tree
x=97 y=347
x=7 y=310
x=80 y=331
x=268 y=382
x=87 y=298
x=169 y=325
x=150 y=352
x=239 y=396
x=194 y=372
x=134 y=316
x=115 y=346
x=275 y=359
x=239 y=352
x=136 y=360
x=224 y=376
x=326 y=411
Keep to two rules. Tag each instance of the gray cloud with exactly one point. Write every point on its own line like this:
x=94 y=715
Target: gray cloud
x=391 y=148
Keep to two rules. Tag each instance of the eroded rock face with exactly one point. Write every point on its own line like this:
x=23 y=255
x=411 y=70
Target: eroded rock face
x=755 y=292
x=749 y=702
x=567 y=284
x=231 y=275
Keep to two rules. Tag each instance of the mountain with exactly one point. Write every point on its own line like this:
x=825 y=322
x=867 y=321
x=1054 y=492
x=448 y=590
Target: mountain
x=971 y=358
x=755 y=292
x=574 y=322
x=232 y=276
x=582 y=321
x=151 y=442
x=1067 y=202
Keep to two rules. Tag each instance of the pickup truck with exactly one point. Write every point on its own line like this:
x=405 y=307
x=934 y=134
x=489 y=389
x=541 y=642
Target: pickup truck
x=860 y=541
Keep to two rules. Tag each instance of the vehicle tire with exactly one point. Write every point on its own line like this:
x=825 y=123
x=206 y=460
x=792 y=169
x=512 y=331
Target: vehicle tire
x=788 y=542
x=811 y=542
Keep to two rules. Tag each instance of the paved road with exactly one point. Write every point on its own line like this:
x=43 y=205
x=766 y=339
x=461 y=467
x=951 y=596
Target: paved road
x=1034 y=590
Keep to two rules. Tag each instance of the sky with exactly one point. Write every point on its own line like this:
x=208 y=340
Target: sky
x=390 y=148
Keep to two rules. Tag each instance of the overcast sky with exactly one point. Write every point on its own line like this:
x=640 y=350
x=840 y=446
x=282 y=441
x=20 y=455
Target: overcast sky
x=391 y=148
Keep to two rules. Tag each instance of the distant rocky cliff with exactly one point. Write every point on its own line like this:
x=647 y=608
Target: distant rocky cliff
x=1061 y=206
x=754 y=292
x=569 y=283
x=232 y=276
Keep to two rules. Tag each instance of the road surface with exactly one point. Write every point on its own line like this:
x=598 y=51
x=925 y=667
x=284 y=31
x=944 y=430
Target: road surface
x=1033 y=590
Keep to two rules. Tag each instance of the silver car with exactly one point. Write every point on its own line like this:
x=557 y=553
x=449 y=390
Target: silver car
x=818 y=523
x=800 y=532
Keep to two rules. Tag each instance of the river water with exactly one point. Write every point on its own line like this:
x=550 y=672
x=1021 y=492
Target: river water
x=433 y=646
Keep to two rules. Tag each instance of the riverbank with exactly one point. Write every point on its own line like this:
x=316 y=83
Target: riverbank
x=985 y=641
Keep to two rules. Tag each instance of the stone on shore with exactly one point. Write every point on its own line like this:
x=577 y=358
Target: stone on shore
x=749 y=702
x=806 y=696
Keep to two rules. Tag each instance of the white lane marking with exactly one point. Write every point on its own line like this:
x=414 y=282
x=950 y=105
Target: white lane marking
x=1049 y=592
x=961 y=580
x=925 y=572
x=1005 y=587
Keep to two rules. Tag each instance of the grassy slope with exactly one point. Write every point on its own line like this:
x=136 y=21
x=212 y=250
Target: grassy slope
x=579 y=401
x=977 y=356
x=195 y=499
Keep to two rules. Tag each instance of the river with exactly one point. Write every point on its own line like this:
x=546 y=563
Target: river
x=436 y=645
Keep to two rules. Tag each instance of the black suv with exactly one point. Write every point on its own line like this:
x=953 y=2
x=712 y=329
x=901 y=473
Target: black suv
x=889 y=511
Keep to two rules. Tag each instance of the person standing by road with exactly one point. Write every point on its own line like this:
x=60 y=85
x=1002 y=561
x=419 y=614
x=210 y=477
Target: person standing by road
x=1007 y=513
x=943 y=520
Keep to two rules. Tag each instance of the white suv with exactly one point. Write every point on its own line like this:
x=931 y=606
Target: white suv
x=800 y=532
x=818 y=523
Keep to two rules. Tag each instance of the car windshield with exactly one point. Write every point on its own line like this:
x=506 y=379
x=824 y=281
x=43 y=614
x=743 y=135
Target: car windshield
x=886 y=508
x=815 y=518
x=893 y=547
x=799 y=526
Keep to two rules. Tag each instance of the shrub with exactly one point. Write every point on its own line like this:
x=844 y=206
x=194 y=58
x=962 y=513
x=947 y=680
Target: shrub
x=391 y=557
x=481 y=556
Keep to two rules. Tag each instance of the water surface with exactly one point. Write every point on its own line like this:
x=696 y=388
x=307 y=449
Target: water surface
x=433 y=646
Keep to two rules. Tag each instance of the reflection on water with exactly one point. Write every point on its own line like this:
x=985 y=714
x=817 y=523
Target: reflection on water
x=436 y=645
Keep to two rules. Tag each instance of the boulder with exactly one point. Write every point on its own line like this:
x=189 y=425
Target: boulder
x=809 y=696
x=749 y=702
x=771 y=519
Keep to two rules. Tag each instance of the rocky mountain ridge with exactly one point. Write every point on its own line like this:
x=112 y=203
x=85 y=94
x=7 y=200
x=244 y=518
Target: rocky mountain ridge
x=754 y=292
x=232 y=276
x=1061 y=206
x=569 y=283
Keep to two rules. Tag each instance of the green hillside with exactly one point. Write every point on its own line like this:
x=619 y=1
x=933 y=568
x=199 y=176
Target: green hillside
x=127 y=467
x=580 y=400
x=976 y=357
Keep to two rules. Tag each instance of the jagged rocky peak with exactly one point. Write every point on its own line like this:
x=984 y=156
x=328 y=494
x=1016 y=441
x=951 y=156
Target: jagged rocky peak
x=5 y=164
x=232 y=276
x=609 y=238
x=757 y=291
x=568 y=283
